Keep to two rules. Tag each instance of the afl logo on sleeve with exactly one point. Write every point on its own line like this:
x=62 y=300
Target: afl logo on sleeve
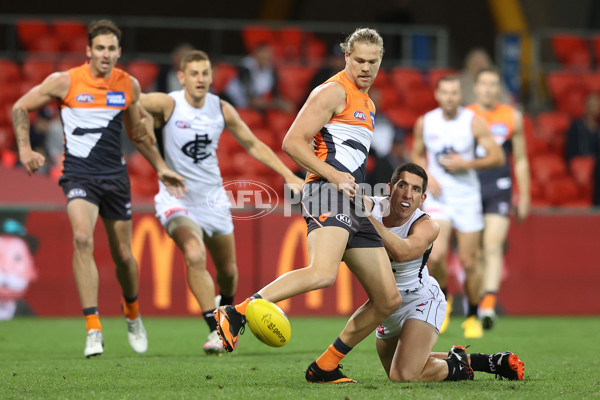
x=115 y=99
x=360 y=115
x=84 y=98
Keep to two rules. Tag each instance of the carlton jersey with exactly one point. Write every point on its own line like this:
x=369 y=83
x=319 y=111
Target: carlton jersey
x=501 y=121
x=442 y=137
x=92 y=117
x=190 y=139
x=344 y=141
x=409 y=274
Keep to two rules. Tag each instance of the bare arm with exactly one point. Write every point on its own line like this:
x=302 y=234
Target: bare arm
x=55 y=86
x=521 y=167
x=174 y=182
x=159 y=105
x=418 y=157
x=256 y=148
x=322 y=104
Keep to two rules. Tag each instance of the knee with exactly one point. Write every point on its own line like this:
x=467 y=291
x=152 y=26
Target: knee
x=123 y=255
x=404 y=375
x=386 y=306
x=322 y=277
x=469 y=265
x=195 y=257
x=83 y=242
x=227 y=271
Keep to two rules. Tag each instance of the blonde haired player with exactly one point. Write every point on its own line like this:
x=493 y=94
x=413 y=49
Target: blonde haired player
x=506 y=126
x=330 y=138
x=194 y=118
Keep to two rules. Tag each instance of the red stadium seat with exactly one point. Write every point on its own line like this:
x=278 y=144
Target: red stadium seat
x=11 y=91
x=383 y=79
x=222 y=74
x=36 y=71
x=560 y=82
x=268 y=137
x=280 y=122
x=421 y=100
x=571 y=51
x=402 y=117
x=291 y=164
x=138 y=166
x=253 y=35
x=45 y=44
x=405 y=80
x=144 y=71
x=77 y=44
x=552 y=128
x=293 y=81
x=290 y=42
x=547 y=167
x=252 y=118
x=592 y=81
x=572 y=102
x=65 y=65
x=9 y=71
x=582 y=170
x=67 y=29
x=30 y=30
x=562 y=191
x=7 y=137
x=315 y=49
x=388 y=98
x=229 y=144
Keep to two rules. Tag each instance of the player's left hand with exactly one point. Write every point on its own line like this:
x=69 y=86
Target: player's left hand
x=294 y=183
x=453 y=162
x=174 y=182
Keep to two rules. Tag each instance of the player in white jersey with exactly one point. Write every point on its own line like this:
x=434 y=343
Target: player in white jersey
x=444 y=143
x=405 y=339
x=193 y=120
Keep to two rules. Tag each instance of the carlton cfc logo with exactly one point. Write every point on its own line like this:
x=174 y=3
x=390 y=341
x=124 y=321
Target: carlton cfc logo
x=359 y=115
x=84 y=98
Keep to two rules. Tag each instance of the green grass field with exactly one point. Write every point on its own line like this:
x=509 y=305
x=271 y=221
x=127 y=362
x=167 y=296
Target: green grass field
x=43 y=358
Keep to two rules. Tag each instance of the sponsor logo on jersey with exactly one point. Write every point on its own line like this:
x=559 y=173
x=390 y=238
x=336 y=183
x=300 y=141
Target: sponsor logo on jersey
x=182 y=124
x=84 y=98
x=344 y=219
x=115 y=99
x=76 y=193
x=324 y=216
x=499 y=130
x=360 y=115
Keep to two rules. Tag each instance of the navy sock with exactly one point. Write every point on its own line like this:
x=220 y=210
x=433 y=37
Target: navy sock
x=209 y=317
x=482 y=362
x=473 y=309
x=130 y=299
x=90 y=311
x=341 y=346
x=455 y=371
x=226 y=300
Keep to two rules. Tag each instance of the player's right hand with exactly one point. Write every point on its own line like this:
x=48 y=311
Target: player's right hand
x=345 y=183
x=31 y=160
x=174 y=182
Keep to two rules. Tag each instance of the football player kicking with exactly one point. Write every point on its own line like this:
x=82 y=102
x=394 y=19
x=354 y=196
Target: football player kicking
x=405 y=339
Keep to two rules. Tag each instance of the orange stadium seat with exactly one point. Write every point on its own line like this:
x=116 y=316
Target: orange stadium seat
x=547 y=167
x=144 y=71
x=252 y=118
x=222 y=74
x=9 y=71
x=36 y=70
x=29 y=30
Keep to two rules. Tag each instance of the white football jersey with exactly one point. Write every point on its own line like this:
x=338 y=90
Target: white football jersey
x=442 y=137
x=409 y=273
x=190 y=139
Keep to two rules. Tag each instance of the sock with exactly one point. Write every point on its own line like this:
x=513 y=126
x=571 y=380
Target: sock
x=455 y=372
x=131 y=308
x=226 y=300
x=482 y=362
x=92 y=320
x=209 y=317
x=489 y=301
x=473 y=310
x=331 y=358
x=241 y=308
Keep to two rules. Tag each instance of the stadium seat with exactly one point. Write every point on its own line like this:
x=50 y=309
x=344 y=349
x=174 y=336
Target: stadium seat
x=222 y=74
x=291 y=164
x=138 y=166
x=67 y=29
x=582 y=171
x=36 y=71
x=402 y=117
x=316 y=49
x=572 y=102
x=9 y=71
x=229 y=144
x=45 y=44
x=405 y=80
x=252 y=118
x=421 y=100
x=561 y=82
x=435 y=74
x=547 y=167
x=562 y=191
x=280 y=122
x=144 y=71
x=249 y=166
x=10 y=92
x=293 y=81
x=268 y=137
x=383 y=79
x=552 y=128
x=571 y=51
x=77 y=45
x=64 y=65
x=290 y=42
x=7 y=138
x=592 y=81
x=253 y=35
x=30 y=30
x=388 y=98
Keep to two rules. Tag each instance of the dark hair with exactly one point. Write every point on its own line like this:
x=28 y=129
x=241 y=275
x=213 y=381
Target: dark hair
x=103 y=27
x=447 y=78
x=191 y=56
x=411 y=168
x=492 y=70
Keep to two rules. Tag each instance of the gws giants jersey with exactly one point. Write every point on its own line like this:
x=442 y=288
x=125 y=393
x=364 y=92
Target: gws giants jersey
x=442 y=137
x=92 y=117
x=409 y=273
x=345 y=140
x=190 y=139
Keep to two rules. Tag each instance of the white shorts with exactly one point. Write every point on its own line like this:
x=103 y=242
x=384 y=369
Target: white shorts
x=465 y=214
x=427 y=304
x=213 y=217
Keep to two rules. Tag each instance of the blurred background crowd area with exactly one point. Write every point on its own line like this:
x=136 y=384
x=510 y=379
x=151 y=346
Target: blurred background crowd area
x=268 y=55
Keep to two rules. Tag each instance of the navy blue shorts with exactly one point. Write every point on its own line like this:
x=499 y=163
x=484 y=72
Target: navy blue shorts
x=496 y=201
x=323 y=205
x=112 y=196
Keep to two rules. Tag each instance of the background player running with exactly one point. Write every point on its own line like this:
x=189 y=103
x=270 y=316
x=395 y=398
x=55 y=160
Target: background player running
x=193 y=116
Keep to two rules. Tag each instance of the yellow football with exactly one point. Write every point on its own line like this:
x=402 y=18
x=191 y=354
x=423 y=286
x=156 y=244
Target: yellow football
x=268 y=323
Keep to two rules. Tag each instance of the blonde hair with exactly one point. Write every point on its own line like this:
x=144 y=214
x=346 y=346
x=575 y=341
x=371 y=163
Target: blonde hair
x=363 y=36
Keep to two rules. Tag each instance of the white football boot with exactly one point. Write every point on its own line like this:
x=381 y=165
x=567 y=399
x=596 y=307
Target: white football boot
x=214 y=345
x=94 y=343
x=137 y=335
